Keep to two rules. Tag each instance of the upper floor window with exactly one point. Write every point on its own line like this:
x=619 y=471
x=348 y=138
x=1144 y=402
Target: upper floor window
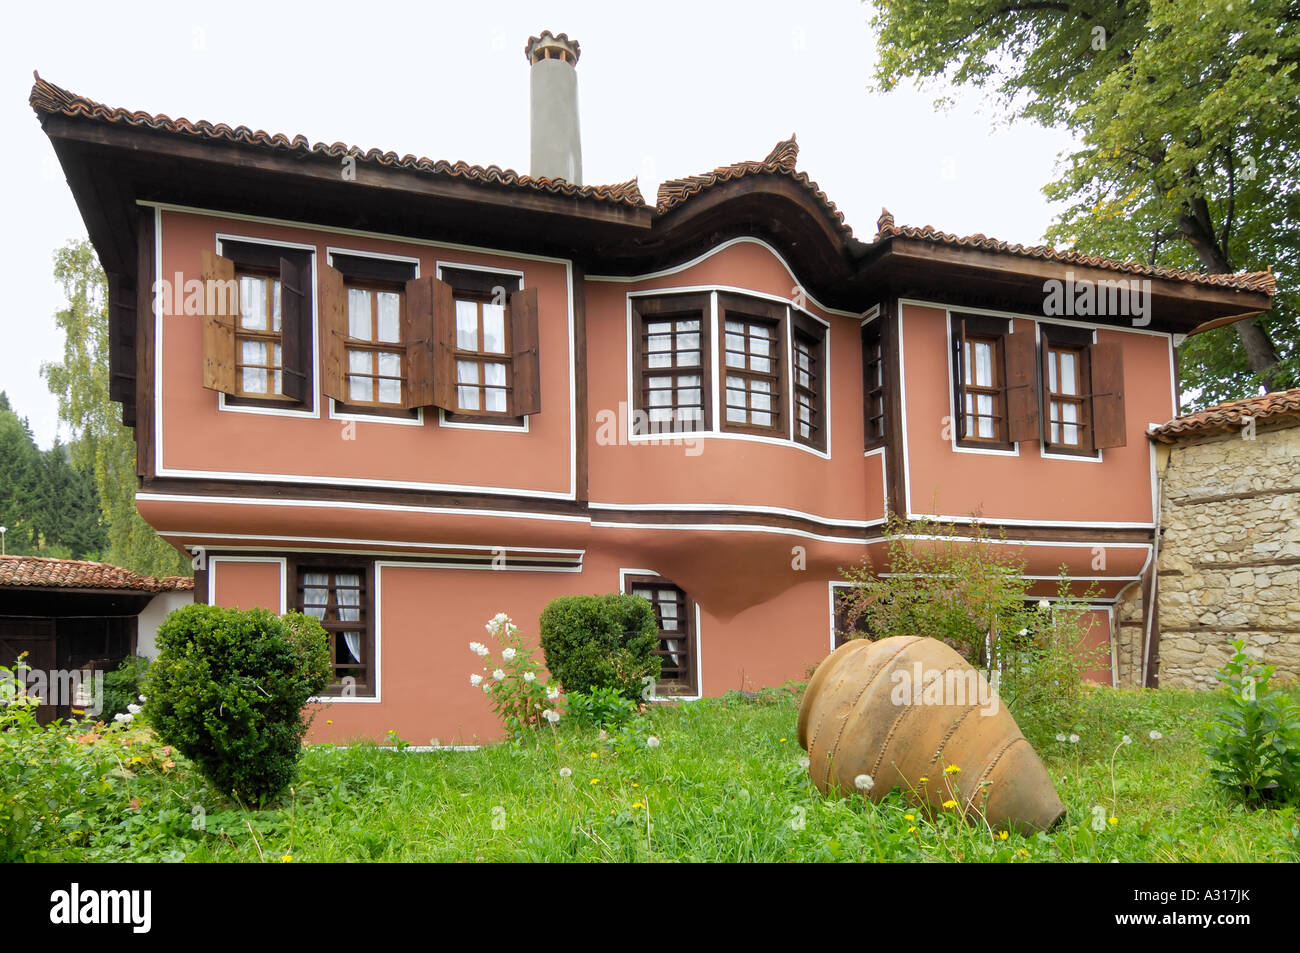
x=767 y=362
x=873 y=384
x=257 y=330
x=339 y=593
x=808 y=351
x=1082 y=392
x=994 y=383
x=491 y=348
x=753 y=362
x=670 y=361
x=378 y=356
x=675 y=616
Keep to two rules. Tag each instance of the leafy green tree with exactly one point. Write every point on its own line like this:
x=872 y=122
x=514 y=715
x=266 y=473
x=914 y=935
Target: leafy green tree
x=1187 y=113
x=102 y=445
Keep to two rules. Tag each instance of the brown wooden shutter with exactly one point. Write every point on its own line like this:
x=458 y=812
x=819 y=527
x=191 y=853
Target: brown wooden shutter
x=444 y=346
x=525 y=364
x=418 y=333
x=220 y=312
x=1107 y=362
x=334 y=326
x=959 y=375
x=1022 y=400
x=295 y=329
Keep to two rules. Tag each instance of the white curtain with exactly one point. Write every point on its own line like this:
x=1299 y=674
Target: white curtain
x=348 y=591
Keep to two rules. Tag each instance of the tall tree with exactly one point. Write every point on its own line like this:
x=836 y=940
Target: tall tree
x=1187 y=112
x=101 y=445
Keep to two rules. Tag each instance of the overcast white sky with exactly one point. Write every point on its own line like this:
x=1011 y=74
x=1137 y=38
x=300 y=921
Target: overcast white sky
x=667 y=88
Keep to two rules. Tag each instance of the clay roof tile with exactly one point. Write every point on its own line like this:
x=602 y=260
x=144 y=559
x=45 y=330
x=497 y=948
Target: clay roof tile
x=41 y=572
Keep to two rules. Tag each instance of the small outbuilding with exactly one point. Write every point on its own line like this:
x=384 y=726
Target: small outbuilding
x=75 y=616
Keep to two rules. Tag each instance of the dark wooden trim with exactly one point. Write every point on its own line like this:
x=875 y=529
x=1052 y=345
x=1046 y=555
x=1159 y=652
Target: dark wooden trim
x=804 y=327
x=382 y=270
x=144 y=347
x=995 y=330
x=767 y=312
x=894 y=436
x=297 y=563
x=690 y=685
x=581 y=386
x=670 y=307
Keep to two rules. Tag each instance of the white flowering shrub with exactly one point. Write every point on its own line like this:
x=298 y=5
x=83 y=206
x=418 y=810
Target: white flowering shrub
x=514 y=684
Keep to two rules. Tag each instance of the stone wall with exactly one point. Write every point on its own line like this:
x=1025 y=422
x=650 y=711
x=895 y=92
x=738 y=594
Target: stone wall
x=1130 y=624
x=1230 y=554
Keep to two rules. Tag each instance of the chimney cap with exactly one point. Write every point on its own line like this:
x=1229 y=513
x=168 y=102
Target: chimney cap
x=548 y=46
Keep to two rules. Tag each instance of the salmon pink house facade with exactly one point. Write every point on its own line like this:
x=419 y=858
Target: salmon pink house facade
x=405 y=395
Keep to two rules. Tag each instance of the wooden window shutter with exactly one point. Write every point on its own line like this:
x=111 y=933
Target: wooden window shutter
x=334 y=325
x=526 y=390
x=1022 y=387
x=419 y=336
x=295 y=329
x=221 y=311
x=958 y=374
x=444 y=345
x=1107 y=362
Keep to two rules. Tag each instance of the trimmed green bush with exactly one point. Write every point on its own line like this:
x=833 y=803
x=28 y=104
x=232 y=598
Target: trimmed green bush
x=608 y=641
x=228 y=689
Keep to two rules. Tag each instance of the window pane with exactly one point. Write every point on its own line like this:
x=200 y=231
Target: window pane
x=688 y=359
x=691 y=325
x=983 y=364
x=254 y=378
x=494 y=375
x=275 y=305
x=390 y=317
x=984 y=403
x=359 y=314
x=494 y=328
x=688 y=342
x=1051 y=371
x=495 y=399
x=467 y=325
x=315 y=595
x=466 y=372
x=390 y=366
x=1067 y=374
x=360 y=388
x=660 y=342
x=252 y=303
x=664 y=359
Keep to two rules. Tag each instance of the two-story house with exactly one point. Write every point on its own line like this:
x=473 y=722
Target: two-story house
x=404 y=394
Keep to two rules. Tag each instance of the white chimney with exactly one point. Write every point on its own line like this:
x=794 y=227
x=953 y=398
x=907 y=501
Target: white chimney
x=556 y=142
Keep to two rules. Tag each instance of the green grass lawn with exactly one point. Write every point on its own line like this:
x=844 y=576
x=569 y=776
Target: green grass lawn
x=724 y=783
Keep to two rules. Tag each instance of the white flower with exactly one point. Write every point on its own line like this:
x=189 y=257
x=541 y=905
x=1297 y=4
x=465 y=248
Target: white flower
x=1060 y=736
x=1044 y=605
x=804 y=762
x=551 y=715
x=863 y=782
x=476 y=680
x=134 y=709
x=566 y=772
x=552 y=693
x=1126 y=740
x=508 y=655
x=478 y=648
x=652 y=742
x=529 y=676
x=499 y=675
x=500 y=617
x=122 y=717
x=1074 y=739
x=1154 y=735
x=1022 y=633
x=143 y=699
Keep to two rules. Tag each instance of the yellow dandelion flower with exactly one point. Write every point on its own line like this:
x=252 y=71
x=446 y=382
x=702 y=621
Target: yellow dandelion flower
x=638 y=805
x=594 y=755
x=923 y=780
x=911 y=830
x=909 y=817
x=783 y=739
x=287 y=859
x=1002 y=835
x=952 y=769
x=635 y=785
x=594 y=781
x=950 y=803
x=1114 y=820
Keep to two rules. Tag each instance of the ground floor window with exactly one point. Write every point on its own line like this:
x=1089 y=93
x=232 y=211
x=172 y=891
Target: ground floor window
x=846 y=622
x=340 y=595
x=675 y=616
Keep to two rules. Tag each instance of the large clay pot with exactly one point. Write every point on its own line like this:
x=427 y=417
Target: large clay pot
x=875 y=709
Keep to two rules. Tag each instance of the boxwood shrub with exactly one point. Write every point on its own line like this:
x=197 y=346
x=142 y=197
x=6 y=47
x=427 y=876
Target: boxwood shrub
x=228 y=689
x=594 y=642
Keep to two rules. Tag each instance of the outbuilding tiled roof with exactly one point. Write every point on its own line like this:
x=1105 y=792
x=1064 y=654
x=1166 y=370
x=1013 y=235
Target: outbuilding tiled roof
x=780 y=161
x=39 y=572
x=50 y=99
x=1261 y=281
x=1232 y=416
